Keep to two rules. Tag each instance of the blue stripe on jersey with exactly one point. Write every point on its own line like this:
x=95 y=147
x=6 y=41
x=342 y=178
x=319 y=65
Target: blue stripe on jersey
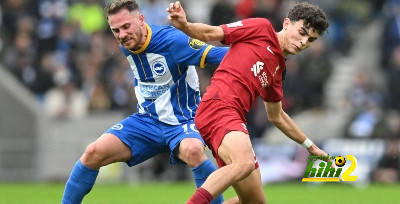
x=183 y=98
x=194 y=100
x=178 y=111
x=177 y=73
x=144 y=69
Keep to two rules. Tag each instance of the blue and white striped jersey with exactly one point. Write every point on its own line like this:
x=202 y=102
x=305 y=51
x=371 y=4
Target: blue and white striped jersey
x=166 y=82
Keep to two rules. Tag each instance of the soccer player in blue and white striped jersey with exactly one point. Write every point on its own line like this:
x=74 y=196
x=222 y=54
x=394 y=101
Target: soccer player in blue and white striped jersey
x=163 y=61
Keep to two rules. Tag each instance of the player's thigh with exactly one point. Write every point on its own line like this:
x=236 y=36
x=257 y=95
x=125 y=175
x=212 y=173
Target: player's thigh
x=107 y=149
x=236 y=147
x=113 y=147
x=141 y=135
x=250 y=189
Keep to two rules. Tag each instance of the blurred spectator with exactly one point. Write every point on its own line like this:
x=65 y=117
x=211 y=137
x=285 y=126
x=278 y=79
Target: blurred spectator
x=391 y=32
x=19 y=58
x=268 y=9
x=45 y=74
x=222 y=12
x=393 y=124
x=154 y=11
x=12 y=11
x=393 y=82
x=120 y=88
x=51 y=16
x=65 y=101
x=100 y=100
x=293 y=100
x=314 y=73
x=388 y=167
x=367 y=103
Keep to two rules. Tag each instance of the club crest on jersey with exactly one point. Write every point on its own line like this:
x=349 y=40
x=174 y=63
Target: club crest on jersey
x=196 y=44
x=159 y=67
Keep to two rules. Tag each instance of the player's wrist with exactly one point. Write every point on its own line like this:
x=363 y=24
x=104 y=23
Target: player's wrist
x=307 y=143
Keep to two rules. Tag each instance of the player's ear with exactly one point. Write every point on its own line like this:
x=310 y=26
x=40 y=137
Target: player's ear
x=141 y=19
x=286 y=23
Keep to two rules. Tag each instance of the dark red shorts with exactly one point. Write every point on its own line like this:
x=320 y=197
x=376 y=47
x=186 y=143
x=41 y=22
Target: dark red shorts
x=214 y=119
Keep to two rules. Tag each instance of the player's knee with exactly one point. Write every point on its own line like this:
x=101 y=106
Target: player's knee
x=192 y=150
x=92 y=156
x=192 y=153
x=246 y=167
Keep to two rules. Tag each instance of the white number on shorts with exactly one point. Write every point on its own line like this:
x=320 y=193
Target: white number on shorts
x=191 y=126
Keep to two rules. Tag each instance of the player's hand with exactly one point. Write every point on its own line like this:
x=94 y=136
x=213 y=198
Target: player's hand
x=316 y=151
x=177 y=15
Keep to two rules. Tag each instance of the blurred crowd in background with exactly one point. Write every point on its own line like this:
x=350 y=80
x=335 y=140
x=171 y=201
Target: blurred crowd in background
x=64 y=52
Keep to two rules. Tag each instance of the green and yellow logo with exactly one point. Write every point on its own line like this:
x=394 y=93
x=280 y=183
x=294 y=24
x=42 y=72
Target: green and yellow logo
x=326 y=172
x=196 y=44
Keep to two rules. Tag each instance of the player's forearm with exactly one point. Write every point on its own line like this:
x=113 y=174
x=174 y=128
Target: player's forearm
x=283 y=122
x=290 y=129
x=204 y=32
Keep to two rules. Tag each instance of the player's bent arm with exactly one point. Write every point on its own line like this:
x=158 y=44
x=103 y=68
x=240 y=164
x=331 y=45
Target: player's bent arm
x=204 y=32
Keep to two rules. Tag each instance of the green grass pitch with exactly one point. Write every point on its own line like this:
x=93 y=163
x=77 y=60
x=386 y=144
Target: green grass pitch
x=177 y=193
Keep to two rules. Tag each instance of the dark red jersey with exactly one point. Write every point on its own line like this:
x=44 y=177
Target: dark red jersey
x=253 y=65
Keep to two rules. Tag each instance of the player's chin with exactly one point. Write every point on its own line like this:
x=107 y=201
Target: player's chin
x=128 y=46
x=296 y=51
x=293 y=52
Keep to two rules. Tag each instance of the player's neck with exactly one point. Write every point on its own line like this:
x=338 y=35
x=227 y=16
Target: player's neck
x=281 y=41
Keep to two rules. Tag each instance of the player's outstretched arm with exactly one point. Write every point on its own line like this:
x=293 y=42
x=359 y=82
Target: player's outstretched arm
x=200 y=31
x=285 y=124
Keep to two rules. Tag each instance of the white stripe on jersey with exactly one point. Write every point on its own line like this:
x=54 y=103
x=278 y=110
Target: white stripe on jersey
x=193 y=81
x=165 y=109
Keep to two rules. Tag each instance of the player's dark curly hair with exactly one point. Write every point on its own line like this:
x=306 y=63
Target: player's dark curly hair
x=118 y=5
x=312 y=15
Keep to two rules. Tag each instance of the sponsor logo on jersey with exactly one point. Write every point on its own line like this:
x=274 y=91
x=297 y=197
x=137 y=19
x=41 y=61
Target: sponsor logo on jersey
x=153 y=90
x=118 y=126
x=196 y=44
x=159 y=68
x=256 y=69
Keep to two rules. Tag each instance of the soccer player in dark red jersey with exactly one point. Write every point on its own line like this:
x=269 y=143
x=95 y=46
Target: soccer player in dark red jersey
x=254 y=66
